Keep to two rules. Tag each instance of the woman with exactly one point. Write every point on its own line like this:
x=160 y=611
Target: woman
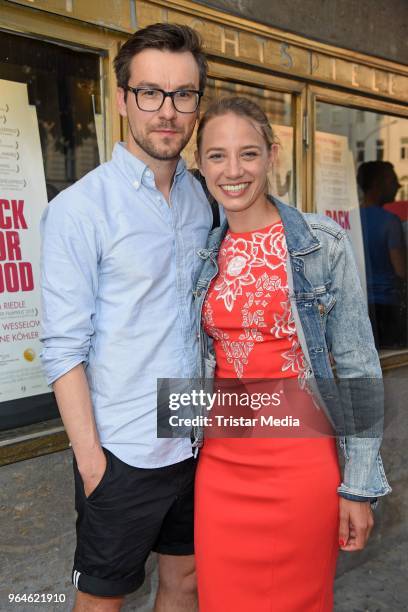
x=271 y=514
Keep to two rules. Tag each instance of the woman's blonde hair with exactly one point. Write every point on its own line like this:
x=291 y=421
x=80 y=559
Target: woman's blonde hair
x=243 y=107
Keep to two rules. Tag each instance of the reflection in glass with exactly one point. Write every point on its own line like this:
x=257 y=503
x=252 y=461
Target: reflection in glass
x=380 y=167
x=384 y=253
x=64 y=86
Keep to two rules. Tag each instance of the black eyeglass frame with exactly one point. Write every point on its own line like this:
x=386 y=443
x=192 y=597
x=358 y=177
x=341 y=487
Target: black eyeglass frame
x=165 y=94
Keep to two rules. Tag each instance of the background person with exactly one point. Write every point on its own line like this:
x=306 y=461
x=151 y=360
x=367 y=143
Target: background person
x=385 y=254
x=271 y=514
x=118 y=270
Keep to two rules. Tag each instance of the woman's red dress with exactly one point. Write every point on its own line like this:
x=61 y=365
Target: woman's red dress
x=266 y=508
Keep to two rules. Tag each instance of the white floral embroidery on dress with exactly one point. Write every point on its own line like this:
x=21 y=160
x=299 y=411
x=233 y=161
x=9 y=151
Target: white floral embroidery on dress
x=237 y=262
x=285 y=326
x=268 y=283
x=284 y=323
x=274 y=248
x=295 y=360
x=236 y=352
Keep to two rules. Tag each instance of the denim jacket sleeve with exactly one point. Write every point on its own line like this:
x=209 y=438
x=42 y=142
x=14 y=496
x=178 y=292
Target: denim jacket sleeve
x=350 y=341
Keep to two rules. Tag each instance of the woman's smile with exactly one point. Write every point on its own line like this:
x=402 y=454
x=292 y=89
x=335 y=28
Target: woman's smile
x=235 y=160
x=234 y=190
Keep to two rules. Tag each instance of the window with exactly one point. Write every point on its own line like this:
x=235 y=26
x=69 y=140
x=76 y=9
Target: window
x=404 y=149
x=51 y=134
x=337 y=117
x=360 y=151
x=357 y=183
x=403 y=192
x=380 y=149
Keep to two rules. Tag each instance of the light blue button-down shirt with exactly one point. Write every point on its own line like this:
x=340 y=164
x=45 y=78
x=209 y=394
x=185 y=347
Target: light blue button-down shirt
x=118 y=268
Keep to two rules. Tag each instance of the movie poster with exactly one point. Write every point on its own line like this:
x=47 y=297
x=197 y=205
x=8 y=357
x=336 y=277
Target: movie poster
x=23 y=198
x=336 y=191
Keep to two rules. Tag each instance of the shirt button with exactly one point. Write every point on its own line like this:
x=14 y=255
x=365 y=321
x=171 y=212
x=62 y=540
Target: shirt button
x=148 y=173
x=136 y=184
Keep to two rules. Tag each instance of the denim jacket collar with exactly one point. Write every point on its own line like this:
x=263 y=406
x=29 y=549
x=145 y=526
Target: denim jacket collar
x=300 y=238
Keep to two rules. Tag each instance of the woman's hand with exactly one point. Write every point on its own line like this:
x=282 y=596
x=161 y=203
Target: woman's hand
x=356 y=523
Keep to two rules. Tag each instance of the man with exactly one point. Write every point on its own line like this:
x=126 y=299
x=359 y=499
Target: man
x=119 y=265
x=385 y=255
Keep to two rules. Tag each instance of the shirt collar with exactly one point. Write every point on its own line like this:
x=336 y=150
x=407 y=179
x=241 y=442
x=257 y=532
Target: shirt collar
x=181 y=168
x=138 y=171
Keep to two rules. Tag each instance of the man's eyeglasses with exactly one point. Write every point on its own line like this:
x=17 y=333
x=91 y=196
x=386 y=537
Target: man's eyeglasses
x=151 y=100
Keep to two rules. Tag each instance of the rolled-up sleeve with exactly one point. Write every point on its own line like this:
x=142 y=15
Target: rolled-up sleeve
x=69 y=282
x=351 y=341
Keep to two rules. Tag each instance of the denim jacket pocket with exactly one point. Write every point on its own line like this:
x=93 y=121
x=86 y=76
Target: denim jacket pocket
x=325 y=302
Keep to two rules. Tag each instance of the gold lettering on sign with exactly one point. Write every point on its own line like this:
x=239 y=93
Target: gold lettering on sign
x=197 y=23
x=261 y=47
x=334 y=69
x=234 y=41
x=286 y=58
x=313 y=62
x=257 y=49
x=354 y=82
x=69 y=5
x=391 y=83
x=374 y=81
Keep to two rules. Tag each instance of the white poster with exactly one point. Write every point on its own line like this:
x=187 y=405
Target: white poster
x=336 y=191
x=23 y=197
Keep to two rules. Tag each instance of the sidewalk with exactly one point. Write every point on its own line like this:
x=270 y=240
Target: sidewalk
x=378 y=585
x=37 y=541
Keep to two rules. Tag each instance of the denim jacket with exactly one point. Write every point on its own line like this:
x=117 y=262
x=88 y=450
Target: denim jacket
x=331 y=319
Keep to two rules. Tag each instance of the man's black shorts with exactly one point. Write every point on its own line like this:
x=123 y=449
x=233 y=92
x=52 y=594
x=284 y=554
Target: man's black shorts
x=132 y=512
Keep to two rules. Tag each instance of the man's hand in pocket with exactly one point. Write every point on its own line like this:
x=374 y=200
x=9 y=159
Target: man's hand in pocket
x=92 y=470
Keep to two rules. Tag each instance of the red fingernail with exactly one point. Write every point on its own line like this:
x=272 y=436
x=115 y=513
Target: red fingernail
x=342 y=543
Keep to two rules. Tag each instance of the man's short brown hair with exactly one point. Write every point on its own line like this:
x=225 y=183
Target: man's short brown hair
x=165 y=37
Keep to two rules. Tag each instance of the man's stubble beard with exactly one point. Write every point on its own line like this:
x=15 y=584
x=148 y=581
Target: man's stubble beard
x=153 y=151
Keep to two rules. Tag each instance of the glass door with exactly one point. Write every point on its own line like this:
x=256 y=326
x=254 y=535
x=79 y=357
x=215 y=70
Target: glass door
x=360 y=176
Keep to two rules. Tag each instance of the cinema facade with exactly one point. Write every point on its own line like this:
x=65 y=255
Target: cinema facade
x=332 y=109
